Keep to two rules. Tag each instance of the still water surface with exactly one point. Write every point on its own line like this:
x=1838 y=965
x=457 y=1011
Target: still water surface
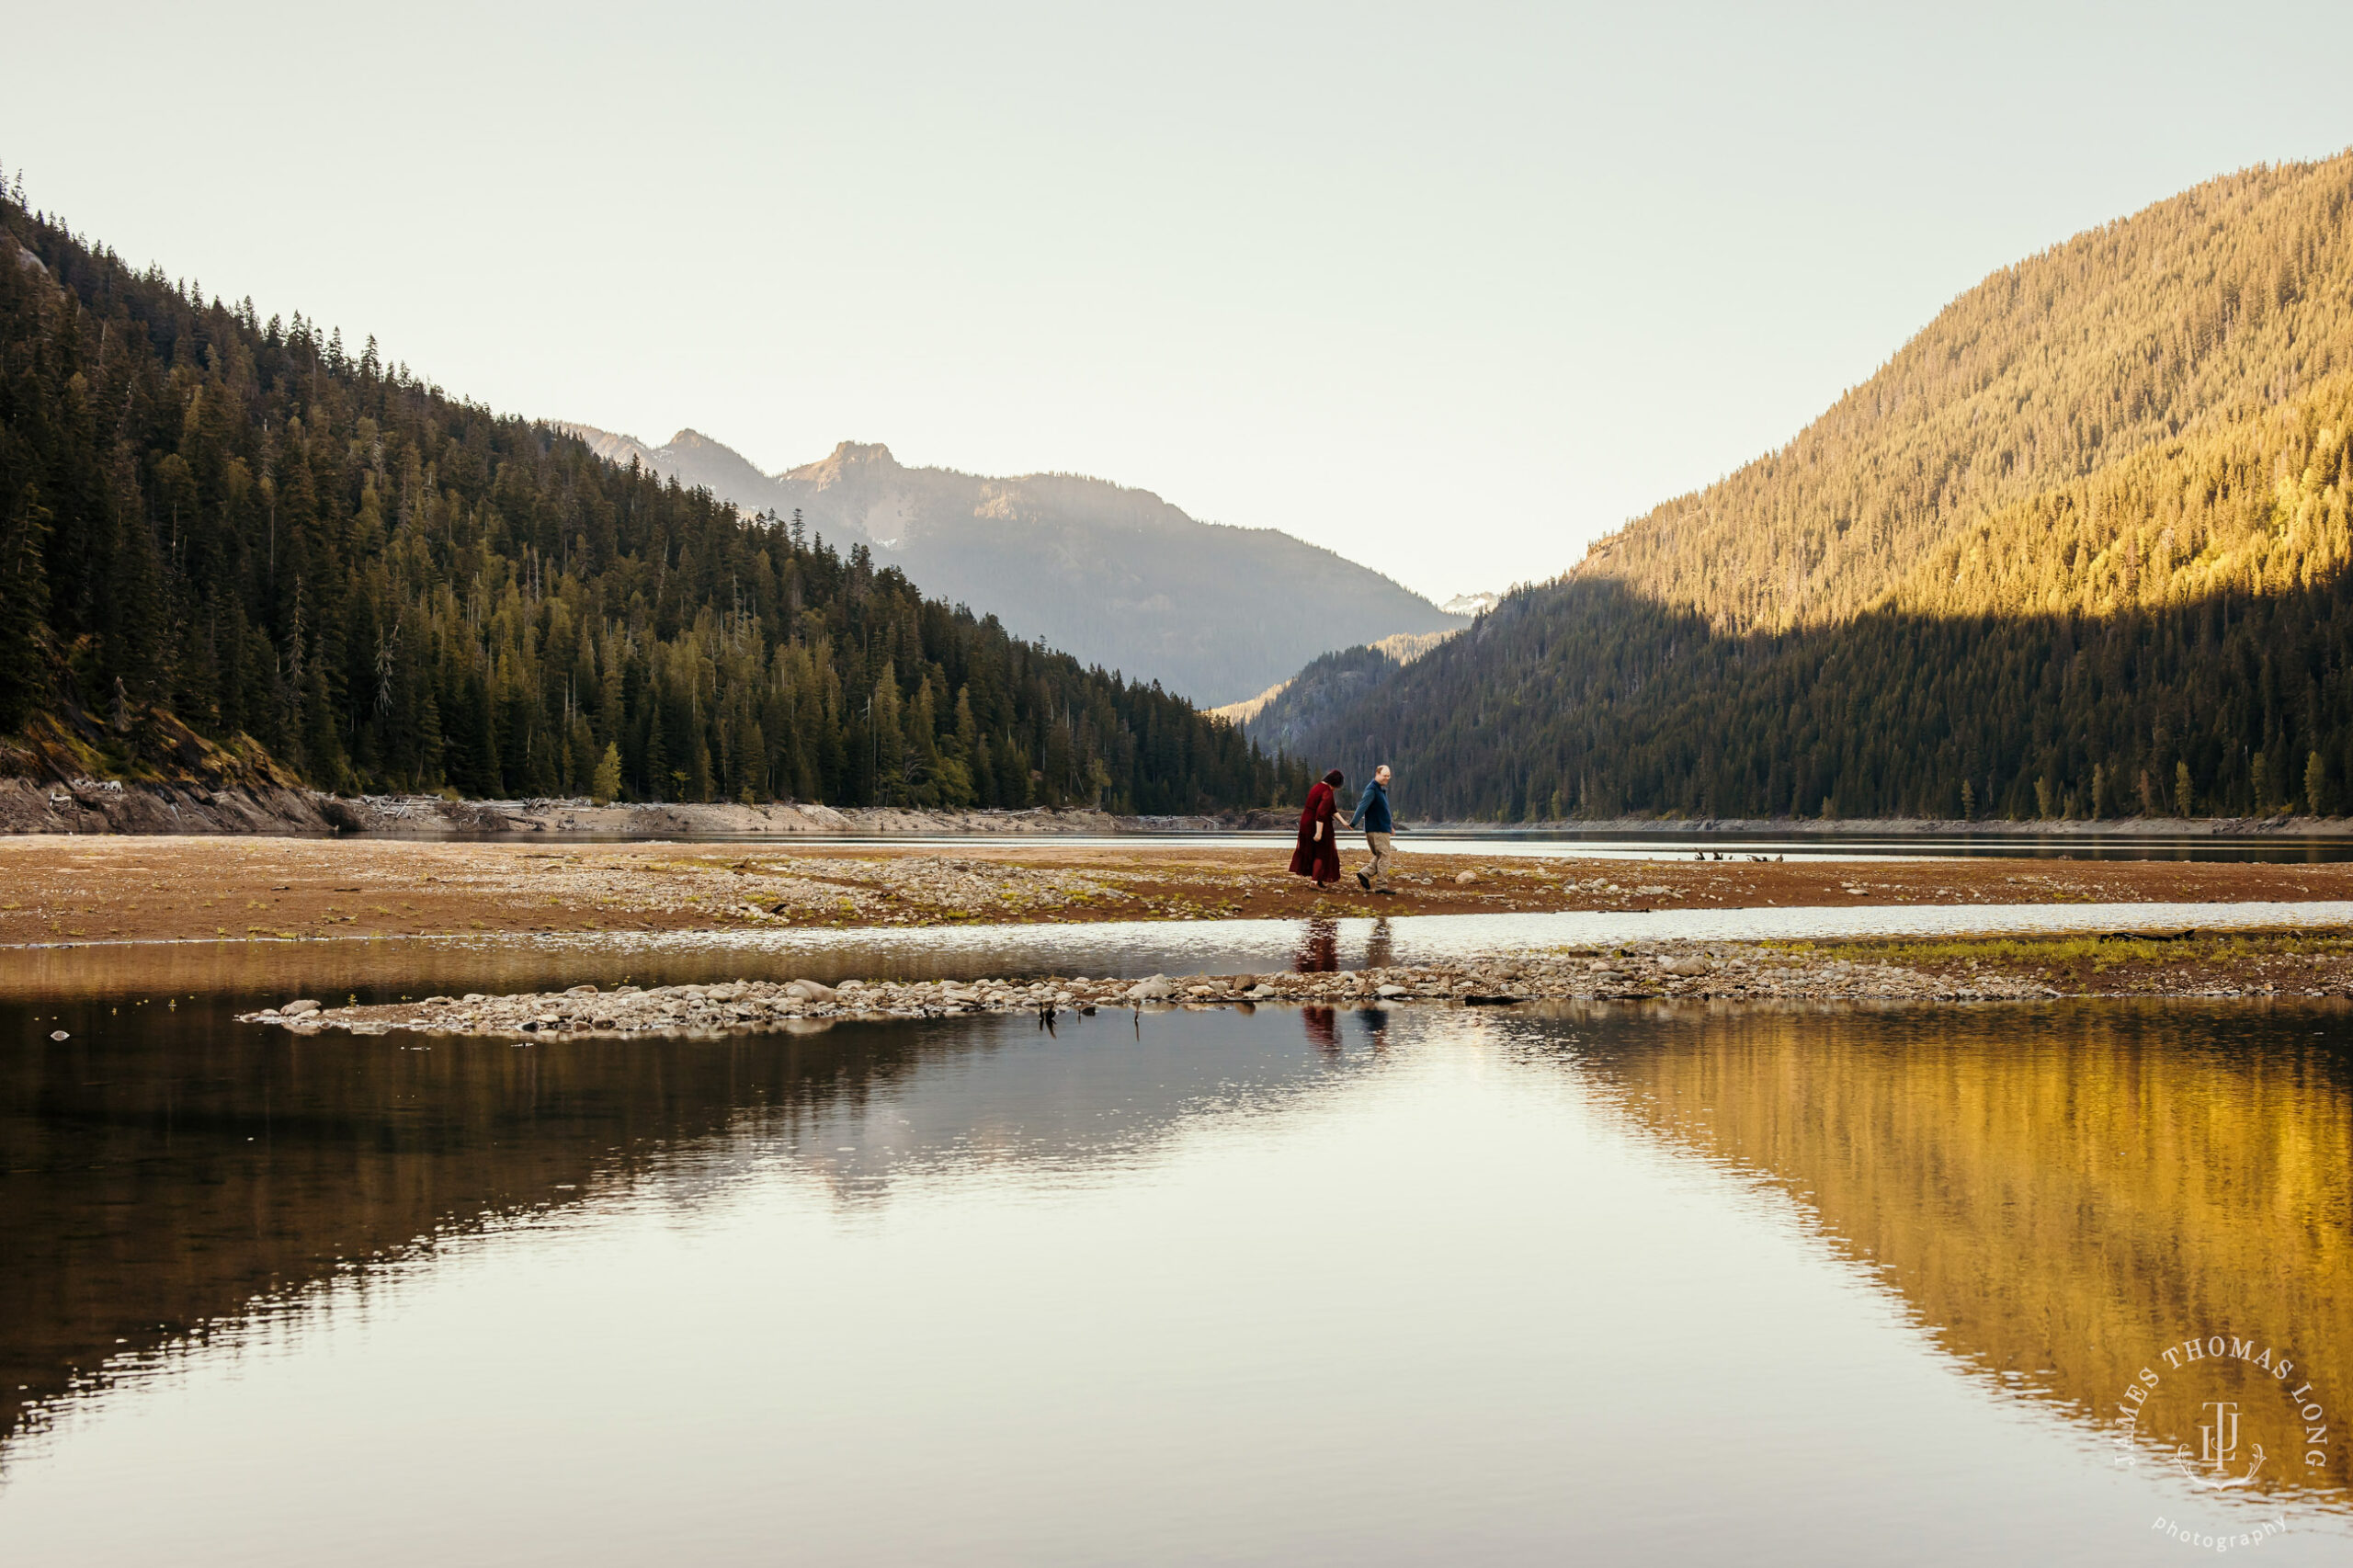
x=389 y=968
x=1589 y=1282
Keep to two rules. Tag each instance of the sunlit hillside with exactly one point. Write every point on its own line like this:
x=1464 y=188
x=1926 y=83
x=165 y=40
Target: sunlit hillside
x=2255 y=505
x=2236 y=293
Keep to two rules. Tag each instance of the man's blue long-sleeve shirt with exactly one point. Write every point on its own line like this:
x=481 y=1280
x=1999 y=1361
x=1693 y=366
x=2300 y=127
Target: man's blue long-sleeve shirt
x=1372 y=812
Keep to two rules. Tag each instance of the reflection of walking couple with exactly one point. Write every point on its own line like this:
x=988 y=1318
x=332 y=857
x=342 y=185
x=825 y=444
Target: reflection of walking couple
x=1317 y=853
x=1319 y=953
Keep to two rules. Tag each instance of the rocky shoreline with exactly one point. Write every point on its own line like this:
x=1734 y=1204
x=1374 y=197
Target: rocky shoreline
x=82 y=805
x=274 y=805
x=2318 y=964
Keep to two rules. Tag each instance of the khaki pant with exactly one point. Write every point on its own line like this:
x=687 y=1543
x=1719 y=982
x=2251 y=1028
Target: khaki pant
x=1382 y=857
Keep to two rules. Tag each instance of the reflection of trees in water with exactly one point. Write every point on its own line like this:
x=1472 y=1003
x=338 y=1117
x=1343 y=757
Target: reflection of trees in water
x=165 y=1170
x=2061 y=1194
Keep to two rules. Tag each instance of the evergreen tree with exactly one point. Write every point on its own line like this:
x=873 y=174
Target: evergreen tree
x=24 y=608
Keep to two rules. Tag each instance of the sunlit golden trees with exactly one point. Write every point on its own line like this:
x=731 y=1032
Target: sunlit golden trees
x=2231 y=296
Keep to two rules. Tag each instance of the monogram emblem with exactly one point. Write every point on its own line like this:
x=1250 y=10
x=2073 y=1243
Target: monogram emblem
x=2218 y=1449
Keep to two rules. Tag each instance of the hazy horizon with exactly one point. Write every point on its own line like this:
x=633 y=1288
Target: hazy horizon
x=1448 y=295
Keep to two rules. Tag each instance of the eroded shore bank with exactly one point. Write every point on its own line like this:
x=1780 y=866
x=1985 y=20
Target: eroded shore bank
x=92 y=806
x=123 y=889
x=2311 y=963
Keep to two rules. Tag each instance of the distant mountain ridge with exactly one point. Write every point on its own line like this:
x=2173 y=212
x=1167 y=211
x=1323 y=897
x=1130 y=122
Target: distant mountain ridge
x=1115 y=575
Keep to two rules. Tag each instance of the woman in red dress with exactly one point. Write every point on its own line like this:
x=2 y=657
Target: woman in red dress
x=1318 y=854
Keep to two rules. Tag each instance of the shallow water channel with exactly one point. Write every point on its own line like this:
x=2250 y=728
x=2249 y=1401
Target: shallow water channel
x=1582 y=1282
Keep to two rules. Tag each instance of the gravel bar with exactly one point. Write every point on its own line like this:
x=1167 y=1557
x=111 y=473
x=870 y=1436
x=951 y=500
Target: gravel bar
x=1649 y=970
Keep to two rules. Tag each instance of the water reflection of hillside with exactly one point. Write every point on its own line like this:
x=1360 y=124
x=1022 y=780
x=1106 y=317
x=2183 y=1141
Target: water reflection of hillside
x=2059 y=1193
x=163 y=1170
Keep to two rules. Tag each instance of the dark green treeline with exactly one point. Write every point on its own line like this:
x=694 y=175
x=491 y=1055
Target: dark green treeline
x=251 y=526
x=1607 y=705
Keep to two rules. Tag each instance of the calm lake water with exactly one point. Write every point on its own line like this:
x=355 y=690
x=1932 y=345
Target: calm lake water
x=1632 y=1283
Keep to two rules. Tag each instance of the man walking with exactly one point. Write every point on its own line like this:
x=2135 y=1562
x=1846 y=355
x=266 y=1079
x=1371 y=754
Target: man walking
x=1372 y=815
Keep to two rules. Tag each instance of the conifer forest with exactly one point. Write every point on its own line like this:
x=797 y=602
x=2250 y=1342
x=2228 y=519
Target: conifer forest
x=286 y=542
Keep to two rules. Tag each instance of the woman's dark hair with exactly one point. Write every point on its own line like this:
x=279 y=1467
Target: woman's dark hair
x=1336 y=779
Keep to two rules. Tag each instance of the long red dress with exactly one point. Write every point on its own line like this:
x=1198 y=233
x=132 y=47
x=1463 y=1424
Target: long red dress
x=1317 y=857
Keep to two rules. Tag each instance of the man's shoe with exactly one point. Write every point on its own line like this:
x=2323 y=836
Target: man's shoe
x=1364 y=882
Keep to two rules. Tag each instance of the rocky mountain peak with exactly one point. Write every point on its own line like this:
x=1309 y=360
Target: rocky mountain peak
x=849 y=460
x=1115 y=576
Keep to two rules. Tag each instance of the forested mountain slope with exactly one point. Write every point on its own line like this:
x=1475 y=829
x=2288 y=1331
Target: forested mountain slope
x=266 y=535
x=1116 y=575
x=2168 y=630
x=2232 y=293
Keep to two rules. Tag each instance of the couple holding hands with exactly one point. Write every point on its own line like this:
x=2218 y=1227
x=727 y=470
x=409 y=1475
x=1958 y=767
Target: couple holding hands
x=1318 y=852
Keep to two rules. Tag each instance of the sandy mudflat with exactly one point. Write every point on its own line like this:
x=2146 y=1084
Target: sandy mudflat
x=125 y=889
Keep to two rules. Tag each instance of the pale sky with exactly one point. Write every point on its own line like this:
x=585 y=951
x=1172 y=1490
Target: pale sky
x=1450 y=289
